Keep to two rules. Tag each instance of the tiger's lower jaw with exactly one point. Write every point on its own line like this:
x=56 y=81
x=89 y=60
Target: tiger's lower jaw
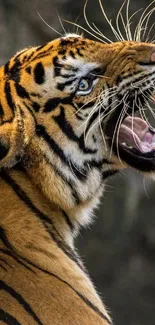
x=134 y=144
x=144 y=162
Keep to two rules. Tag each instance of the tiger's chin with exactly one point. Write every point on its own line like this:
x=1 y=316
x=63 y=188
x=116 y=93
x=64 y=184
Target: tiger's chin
x=133 y=143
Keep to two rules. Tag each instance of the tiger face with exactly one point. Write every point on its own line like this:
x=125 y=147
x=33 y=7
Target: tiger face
x=91 y=97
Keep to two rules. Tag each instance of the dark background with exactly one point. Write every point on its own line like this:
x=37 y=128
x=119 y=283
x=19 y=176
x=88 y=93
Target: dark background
x=119 y=250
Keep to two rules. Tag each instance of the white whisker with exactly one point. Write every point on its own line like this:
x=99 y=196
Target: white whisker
x=102 y=35
x=91 y=28
x=109 y=22
x=119 y=14
x=86 y=30
x=128 y=21
x=60 y=20
x=53 y=29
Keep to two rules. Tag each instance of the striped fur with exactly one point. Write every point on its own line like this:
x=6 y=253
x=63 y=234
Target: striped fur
x=53 y=169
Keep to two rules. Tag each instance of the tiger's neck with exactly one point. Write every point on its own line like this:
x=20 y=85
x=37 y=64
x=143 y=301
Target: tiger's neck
x=29 y=219
x=28 y=214
x=39 y=204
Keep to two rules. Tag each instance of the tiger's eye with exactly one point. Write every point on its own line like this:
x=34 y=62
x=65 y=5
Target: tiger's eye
x=83 y=85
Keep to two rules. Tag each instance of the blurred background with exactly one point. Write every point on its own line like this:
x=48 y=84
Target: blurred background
x=119 y=249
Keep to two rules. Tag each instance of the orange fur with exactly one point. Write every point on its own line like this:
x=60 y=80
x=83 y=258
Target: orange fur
x=42 y=278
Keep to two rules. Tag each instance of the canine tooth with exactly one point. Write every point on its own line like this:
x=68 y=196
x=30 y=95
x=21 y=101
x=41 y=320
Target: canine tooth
x=127 y=145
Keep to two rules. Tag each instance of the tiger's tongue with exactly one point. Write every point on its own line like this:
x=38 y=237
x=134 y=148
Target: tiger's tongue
x=134 y=132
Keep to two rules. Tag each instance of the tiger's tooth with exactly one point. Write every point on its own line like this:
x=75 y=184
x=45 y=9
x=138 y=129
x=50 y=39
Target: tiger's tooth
x=126 y=145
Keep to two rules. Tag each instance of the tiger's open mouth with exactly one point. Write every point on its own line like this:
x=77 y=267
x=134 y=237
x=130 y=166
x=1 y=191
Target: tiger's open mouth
x=135 y=134
x=134 y=142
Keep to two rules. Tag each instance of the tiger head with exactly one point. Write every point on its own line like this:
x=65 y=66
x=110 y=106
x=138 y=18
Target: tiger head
x=81 y=104
x=87 y=94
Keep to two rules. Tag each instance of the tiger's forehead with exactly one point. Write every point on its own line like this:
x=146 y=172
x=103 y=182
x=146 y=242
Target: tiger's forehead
x=78 y=53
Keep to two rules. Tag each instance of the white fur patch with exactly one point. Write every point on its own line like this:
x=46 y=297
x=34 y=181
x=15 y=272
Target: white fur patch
x=71 y=35
x=83 y=67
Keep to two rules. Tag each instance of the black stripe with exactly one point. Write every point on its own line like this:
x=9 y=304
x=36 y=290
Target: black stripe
x=53 y=103
x=22 y=195
x=61 y=85
x=72 y=54
x=14 y=72
x=28 y=70
x=4 y=149
x=44 y=218
x=7 y=318
x=69 y=132
x=79 y=117
x=41 y=132
x=67 y=75
x=65 y=125
x=98 y=164
x=97 y=72
x=81 y=296
x=62 y=51
x=6 y=68
x=91 y=120
x=3 y=268
x=29 y=108
x=84 y=299
x=35 y=95
x=42 y=54
x=57 y=67
x=108 y=173
x=39 y=56
x=72 y=41
x=8 y=95
x=1 y=111
x=21 y=91
x=22 y=302
x=40 y=47
x=36 y=106
x=5 y=262
x=65 y=42
x=30 y=56
x=84 y=106
x=66 y=180
x=78 y=52
x=68 y=221
x=39 y=73
x=136 y=78
x=12 y=253
x=146 y=63
x=80 y=174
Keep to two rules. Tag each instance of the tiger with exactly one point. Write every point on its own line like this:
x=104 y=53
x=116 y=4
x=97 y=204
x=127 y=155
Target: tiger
x=71 y=116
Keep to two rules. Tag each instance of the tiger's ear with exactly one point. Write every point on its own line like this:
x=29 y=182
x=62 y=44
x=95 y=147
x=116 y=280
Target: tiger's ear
x=15 y=135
